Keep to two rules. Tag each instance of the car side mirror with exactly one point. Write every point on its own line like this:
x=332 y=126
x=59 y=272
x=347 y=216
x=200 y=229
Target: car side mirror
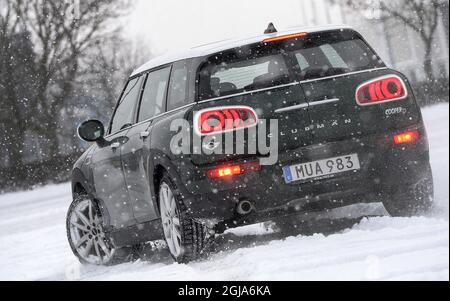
x=92 y=131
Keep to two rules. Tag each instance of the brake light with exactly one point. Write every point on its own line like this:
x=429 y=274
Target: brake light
x=224 y=119
x=230 y=171
x=286 y=37
x=407 y=137
x=384 y=89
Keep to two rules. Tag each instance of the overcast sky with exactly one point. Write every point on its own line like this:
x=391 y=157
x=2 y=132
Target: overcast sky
x=169 y=25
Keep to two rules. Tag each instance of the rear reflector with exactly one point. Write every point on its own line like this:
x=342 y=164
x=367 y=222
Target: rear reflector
x=233 y=170
x=408 y=137
x=224 y=119
x=384 y=89
x=286 y=37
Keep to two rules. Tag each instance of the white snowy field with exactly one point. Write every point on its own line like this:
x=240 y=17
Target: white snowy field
x=33 y=241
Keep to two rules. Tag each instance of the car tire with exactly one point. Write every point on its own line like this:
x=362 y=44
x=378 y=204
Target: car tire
x=186 y=238
x=417 y=200
x=87 y=238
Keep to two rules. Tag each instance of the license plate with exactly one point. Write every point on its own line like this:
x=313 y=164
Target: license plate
x=321 y=168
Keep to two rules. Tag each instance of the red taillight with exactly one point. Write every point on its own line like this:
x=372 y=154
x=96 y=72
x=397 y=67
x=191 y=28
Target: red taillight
x=235 y=170
x=225 y=119
x=388 y=88
x=286 y=37
x=407 y=137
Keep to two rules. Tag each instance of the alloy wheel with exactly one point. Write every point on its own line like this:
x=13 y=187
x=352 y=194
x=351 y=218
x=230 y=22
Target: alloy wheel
x=87 y=234
x=170 y=220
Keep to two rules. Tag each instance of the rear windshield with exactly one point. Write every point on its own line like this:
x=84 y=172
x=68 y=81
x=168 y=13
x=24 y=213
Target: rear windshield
x=267 y=65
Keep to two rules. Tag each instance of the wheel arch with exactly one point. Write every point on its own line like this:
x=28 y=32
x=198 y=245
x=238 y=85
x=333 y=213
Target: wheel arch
x=81 y=186
x=161 y=166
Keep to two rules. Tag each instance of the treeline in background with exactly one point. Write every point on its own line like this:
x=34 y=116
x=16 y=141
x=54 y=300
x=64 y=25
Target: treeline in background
x=59 y=65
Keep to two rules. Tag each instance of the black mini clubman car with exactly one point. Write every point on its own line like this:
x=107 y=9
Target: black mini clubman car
x=348 y=131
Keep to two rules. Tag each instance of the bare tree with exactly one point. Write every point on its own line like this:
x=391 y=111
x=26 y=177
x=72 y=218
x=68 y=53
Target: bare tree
x=56 y=67
x=61 y=39
x=111 y=62
x=103 y=73
x=422 y=16
x=16 y=82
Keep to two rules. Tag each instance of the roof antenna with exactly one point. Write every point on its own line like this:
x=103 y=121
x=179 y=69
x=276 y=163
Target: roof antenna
x=271 y=29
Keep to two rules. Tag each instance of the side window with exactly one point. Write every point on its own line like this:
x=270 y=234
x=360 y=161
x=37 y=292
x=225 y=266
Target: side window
x=154 y=94
x=124 y=114
x=178 y=86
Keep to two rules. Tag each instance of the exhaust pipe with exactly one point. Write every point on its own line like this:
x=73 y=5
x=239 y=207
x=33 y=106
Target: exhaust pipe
x=244 y=208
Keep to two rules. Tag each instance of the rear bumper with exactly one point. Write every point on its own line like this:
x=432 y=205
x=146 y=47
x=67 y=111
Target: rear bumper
x=385 y=167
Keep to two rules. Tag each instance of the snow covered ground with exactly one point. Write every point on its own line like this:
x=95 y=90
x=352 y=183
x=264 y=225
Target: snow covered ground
x=33 y=241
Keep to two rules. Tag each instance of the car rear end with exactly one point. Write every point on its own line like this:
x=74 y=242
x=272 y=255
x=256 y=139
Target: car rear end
x=349 y=128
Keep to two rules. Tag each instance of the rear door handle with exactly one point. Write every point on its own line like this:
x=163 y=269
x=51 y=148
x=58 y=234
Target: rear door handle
x=145 y=135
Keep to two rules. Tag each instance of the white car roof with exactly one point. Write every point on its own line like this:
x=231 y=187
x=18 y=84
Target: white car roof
x=212 y=48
